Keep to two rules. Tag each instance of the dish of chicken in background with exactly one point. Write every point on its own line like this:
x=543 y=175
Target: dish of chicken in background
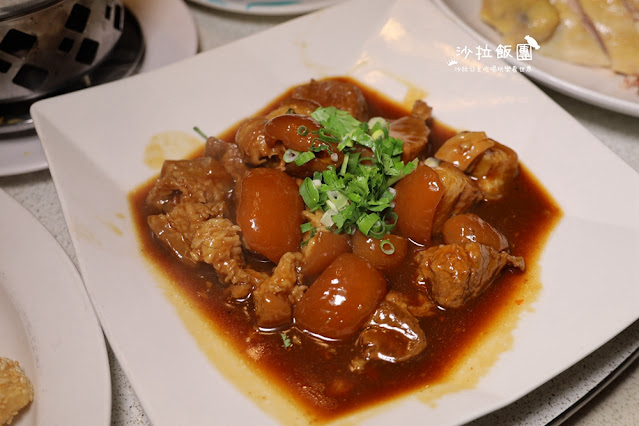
x=249 y=7
x=153 y=34
x=586 y=32
x=572 y=59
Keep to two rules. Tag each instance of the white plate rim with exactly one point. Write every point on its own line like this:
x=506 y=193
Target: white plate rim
x=267 y=8
x=25 y=154
x=71 y=376
x=547 y=78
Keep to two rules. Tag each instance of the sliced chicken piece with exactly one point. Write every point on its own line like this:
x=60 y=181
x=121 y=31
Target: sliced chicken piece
x=458 y=273
x=515 y=19
x=460 y=193
x=633 y=7
x=392 y=335
x=274 y=296
x=339 y=94
x=575 y=39
x=201 y=180
x=617 y=28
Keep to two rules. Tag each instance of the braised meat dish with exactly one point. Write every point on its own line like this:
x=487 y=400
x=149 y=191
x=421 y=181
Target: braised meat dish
x=359 y=245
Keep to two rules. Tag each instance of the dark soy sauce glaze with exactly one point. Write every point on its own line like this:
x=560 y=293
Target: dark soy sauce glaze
x=316 y=373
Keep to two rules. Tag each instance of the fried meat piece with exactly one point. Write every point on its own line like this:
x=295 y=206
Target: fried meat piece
x=177 y=228
x=457 y=273
x=274 y=296
x=226 y=153
x=201 y=180
x=217 y=242
x=16 y=391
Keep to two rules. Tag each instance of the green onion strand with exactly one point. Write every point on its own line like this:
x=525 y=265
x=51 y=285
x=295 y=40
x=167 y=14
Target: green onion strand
x=200 y=132
x=387 y=247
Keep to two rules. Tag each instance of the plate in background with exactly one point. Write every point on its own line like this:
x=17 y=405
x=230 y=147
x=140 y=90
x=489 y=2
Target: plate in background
x=48 y=325
x=596 y=86
x=281 y=7
x=170 y=35
x=399 y=48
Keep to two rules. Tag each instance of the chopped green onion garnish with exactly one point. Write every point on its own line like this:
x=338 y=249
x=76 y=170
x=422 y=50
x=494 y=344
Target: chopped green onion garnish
x=286 y=340
x=366 y=222
x=290 y=155
x=302 y=131
x=200 y=132
x=378 y=134
x=304 y=158
x=306 y=227
x=358 y=194
x=310 y=194
x=387 y=247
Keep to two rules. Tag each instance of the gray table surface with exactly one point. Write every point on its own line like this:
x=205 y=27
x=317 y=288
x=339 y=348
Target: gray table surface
x=618 y=403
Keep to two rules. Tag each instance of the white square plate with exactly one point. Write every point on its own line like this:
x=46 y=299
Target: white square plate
x=95 y=142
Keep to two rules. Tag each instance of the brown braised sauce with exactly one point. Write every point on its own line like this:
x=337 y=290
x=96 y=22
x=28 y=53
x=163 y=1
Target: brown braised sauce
x=317 y=373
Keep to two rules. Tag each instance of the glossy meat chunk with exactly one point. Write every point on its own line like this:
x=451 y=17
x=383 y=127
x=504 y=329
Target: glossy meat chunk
x=269 y=212
x=294 y=106
x=495 y=171
x=383 y=253
x=256 y=147
x=392 y=335
x=416 y=199
x=321 y=250
x=492 y=165
x=459 y=194
x=340 y=94
x=295 y=132
x=468 y=227
x=338 y=303
x=228 y=154
x=412 y=130
x=464 y=148
x=201 y=180
x=457 y=273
